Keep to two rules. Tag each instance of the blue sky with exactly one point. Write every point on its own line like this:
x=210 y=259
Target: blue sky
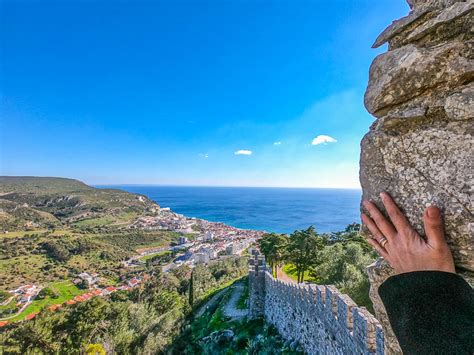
x=229 y=93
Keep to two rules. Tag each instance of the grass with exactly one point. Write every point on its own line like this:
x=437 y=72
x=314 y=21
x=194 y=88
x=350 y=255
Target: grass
x=149 y=256
x=66 y=290
x=10 y=306
x=289 y=270
x=95 y=222
x=242 y=301
x=16 y=234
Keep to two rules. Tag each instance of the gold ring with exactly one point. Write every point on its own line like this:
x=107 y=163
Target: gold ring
x=383 y=241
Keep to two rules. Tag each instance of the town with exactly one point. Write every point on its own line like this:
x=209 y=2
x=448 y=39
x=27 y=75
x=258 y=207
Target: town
x=200 y=242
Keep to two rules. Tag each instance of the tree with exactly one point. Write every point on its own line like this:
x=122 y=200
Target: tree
x=344 y=265
x=273 y=246
x=302 y=250
x=191 y=289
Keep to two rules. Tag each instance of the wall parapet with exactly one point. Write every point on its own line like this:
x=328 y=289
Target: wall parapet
x=319 y=318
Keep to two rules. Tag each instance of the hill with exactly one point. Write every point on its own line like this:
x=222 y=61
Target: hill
x=50 y=202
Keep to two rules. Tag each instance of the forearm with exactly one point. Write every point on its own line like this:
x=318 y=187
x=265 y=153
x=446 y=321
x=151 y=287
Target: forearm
x=430 y=312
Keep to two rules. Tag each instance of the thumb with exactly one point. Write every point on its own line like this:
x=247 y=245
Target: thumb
x=434 y=227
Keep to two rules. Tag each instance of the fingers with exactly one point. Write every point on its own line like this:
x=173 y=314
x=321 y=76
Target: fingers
x=398 y=219
x=383 y=225
x=376 y=233
x=382 y=252
x=434 y=228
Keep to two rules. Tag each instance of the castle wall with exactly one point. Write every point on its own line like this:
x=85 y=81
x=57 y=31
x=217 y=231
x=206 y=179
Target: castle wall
x=318 y=318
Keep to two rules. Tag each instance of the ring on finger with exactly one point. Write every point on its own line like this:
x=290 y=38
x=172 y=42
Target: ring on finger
x=383 y=241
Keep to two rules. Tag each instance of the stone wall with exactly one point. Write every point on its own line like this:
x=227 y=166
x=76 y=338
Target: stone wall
x=421 y=147
x=318 y=319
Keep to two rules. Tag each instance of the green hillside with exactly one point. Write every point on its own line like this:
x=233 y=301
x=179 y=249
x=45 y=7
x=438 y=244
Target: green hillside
x=28 y=203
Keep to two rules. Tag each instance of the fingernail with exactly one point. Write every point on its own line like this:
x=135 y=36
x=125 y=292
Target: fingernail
x=433 y=212
x=382 y=195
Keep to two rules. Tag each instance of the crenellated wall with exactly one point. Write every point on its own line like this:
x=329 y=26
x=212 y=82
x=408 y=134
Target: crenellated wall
x=320 y=319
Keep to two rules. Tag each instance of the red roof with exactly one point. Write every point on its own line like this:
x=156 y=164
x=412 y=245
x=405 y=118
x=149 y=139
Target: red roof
x=110 y=289
x=71 y=302
x=3 y=323
x=97 y=292
x=54 y=307
x=31 y=315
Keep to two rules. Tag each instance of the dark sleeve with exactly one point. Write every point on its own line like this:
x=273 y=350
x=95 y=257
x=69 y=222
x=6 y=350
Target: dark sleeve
x=431 y=312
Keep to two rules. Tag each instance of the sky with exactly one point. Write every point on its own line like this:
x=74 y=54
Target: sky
x=215 y=93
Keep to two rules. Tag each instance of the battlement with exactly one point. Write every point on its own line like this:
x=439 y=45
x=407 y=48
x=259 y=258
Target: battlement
x=317 y=317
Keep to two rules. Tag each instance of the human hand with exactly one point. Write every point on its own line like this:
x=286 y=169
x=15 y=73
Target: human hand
x=399 y=244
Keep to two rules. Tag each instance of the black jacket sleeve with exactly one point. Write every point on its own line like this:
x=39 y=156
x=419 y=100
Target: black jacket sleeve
x=431 y=312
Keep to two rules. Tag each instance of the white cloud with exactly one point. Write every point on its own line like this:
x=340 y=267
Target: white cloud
x=243 y=152
x=322 y=139
x=205 y=156
x=276 y=143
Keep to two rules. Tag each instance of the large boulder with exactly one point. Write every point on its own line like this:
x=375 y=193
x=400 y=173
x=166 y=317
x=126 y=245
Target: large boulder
x=420 y=148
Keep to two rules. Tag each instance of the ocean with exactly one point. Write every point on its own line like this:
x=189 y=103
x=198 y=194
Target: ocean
x=281 y=210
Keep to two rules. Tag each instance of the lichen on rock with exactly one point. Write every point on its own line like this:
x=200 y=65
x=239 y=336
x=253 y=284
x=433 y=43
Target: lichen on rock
x=420 y=149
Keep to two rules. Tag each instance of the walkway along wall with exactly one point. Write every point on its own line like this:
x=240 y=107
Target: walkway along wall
x=318 y=318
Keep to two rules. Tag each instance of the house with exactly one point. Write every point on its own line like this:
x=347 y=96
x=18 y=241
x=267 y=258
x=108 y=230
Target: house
x=97 y=292
x=182 y=240
x=31 y=316
x=3 y=323
x=108 y=290
x=70 y=302
x=90 y=279
x=209 y=236
x=54 y=307
x=201 y=258
x=133 y=282
x=79 y=299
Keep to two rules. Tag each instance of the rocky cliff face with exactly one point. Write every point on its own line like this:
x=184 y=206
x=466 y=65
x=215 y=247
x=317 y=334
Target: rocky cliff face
x=421 y=147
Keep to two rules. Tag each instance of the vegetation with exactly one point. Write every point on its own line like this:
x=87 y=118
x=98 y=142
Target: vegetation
x=34 y=203
x=50 y=256
x=213 y=333
x=242 y=301
x=337 y=258
x=144 y=320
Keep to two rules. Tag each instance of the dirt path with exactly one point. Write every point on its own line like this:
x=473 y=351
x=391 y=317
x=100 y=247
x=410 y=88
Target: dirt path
x=230 y=308
x=213 y=300
x=282 y=276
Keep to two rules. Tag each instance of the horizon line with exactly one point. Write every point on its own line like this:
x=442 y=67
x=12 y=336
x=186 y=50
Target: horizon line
x=232 y=186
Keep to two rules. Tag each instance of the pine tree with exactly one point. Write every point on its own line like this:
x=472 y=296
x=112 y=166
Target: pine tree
x=191 y=289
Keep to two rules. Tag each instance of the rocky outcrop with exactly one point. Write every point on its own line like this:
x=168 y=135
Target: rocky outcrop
x=421 y=147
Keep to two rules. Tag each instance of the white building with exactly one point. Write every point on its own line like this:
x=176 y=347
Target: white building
x=209 y=236
x=201 y=258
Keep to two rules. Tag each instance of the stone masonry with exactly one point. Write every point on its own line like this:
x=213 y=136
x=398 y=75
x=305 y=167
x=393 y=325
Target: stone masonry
x=421 y=146
x=319 y=319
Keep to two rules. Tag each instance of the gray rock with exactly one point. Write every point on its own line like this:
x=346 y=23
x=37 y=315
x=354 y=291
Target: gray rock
x=448 y=15
x=460 y=105
x=398 y=26
x=422 y=4
x=407 y=72
x=421 y=147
